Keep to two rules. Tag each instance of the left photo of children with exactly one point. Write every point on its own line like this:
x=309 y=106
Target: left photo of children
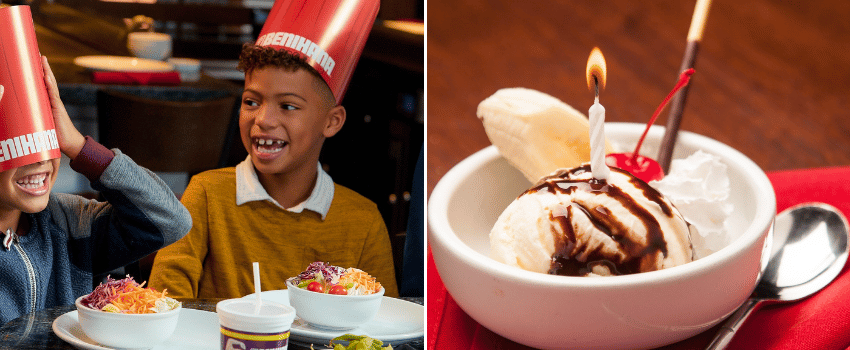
x=212 y=174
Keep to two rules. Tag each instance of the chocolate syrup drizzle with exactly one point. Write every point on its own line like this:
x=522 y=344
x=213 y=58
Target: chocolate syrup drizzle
x=638 y=257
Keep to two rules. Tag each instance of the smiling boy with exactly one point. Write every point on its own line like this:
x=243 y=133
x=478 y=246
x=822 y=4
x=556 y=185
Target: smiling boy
x=278 y=207
x=285 y=117
x=53 y=244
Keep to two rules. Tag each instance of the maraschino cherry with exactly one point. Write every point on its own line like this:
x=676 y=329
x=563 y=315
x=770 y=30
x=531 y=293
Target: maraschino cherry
x=645 y=168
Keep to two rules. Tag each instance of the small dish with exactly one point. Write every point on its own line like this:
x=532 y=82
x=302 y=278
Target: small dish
x=189 y=68
x=127 y=330
x=397 y=322
x=334 y=312
x=122 y=64
x=196 y=329
x=150 y=45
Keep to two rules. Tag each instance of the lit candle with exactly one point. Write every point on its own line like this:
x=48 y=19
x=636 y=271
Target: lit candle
x=597 y=141
x=596 y=72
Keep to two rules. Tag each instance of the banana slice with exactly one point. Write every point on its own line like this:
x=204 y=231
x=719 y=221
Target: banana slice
x=536 y=132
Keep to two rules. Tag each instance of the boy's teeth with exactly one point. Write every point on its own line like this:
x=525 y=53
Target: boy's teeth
x=32 y=181
x=270 y=146
x=264 y=142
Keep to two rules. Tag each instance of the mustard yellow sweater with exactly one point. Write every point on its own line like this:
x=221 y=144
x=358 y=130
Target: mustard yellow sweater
x=215 y=259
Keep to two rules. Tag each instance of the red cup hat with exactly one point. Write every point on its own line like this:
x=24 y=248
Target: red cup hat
x=27 y=133
x=329 y=34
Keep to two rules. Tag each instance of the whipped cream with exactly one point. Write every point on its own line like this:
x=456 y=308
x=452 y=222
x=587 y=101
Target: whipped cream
x=699 y=187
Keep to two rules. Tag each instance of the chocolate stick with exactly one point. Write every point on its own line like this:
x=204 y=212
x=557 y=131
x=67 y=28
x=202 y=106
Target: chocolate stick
x=665 y=153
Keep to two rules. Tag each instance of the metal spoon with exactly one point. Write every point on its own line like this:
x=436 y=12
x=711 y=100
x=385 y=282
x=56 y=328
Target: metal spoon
x=809 y=249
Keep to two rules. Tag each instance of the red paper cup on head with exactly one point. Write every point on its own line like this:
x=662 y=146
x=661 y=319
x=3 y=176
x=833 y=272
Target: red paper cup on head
x=27 y=133
x=329 y=34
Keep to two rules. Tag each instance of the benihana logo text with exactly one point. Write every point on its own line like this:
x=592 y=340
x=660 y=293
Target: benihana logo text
x=299 y=43
x=23 y=145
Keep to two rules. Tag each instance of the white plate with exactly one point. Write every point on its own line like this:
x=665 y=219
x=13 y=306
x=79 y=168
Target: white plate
x=123 y=64
x=196 y=330
x=397 y=322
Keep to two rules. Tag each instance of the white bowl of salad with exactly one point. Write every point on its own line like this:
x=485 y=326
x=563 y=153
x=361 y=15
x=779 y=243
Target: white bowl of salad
x=335 y=298
x=124 y=314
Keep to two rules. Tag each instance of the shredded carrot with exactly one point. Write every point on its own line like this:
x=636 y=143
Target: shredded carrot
x=360 y=277
x=137 y=300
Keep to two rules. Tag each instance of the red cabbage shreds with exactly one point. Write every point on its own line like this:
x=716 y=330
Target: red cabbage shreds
x=106 y=292
x=329 y=271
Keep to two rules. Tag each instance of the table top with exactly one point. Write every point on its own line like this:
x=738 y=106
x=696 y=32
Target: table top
x=772 y=78
x=34 y=331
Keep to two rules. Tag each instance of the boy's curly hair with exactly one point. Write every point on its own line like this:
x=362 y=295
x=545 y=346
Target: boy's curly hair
x=255 y=57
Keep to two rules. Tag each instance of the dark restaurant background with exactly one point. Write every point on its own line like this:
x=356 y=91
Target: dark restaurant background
x=374 y=154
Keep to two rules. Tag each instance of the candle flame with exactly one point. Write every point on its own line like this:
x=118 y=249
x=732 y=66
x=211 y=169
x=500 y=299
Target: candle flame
x=596 y=67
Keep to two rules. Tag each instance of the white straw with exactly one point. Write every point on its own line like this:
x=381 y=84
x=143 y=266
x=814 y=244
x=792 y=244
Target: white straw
x=257 y=282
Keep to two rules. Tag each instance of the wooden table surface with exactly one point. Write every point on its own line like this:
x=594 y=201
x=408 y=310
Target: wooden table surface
x=772 y=77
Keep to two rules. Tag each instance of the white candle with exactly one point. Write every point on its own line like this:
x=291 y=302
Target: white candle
x=597 y=141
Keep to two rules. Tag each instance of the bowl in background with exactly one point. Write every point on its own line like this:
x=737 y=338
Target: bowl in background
x=331 y=311
x=150 y=45
x=188 y=68
x=643 y=310
x=127 y=331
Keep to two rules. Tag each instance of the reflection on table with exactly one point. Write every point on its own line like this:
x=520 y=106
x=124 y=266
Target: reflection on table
x=35 y=331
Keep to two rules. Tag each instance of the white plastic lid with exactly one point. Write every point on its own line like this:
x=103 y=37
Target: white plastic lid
x=247 y=315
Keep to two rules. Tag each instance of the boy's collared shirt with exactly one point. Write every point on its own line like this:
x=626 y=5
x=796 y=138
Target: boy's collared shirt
x=249 y=188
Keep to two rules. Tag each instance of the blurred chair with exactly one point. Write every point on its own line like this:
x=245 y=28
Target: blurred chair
x=167 y=135
x=184 y=136
x=234 y=151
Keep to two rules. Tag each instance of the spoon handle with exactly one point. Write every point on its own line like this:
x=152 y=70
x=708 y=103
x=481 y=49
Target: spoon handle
x=727 y=331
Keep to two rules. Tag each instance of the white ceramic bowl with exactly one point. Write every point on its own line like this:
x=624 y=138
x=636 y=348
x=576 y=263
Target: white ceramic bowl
x=644 y=310
x=188 y=68
x=334 y=312
x=155 y=46
x=127 y=331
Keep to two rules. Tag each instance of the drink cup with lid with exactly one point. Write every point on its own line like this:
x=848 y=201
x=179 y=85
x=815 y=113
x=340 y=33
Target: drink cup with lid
x=247 y=324
x=254 y=324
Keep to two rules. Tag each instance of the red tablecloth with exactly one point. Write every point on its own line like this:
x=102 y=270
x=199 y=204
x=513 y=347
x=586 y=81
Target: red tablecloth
x=140 y=78
x=820 y=322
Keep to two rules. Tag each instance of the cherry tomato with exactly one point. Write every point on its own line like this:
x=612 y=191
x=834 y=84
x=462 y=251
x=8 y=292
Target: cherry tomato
x=339 y=290
x=316 y=287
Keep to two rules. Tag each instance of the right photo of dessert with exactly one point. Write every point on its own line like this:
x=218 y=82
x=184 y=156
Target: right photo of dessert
x=637 y=175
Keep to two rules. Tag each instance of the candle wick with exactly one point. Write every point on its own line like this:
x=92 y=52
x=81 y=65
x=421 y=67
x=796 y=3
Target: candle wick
x=596 y=86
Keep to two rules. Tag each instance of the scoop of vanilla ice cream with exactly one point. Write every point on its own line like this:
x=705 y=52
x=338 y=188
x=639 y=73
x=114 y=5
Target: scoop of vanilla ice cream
x=572 y=224
x=699 y=187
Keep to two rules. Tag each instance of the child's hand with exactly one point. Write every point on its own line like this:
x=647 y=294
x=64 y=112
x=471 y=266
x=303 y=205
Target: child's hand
x=71 y=141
